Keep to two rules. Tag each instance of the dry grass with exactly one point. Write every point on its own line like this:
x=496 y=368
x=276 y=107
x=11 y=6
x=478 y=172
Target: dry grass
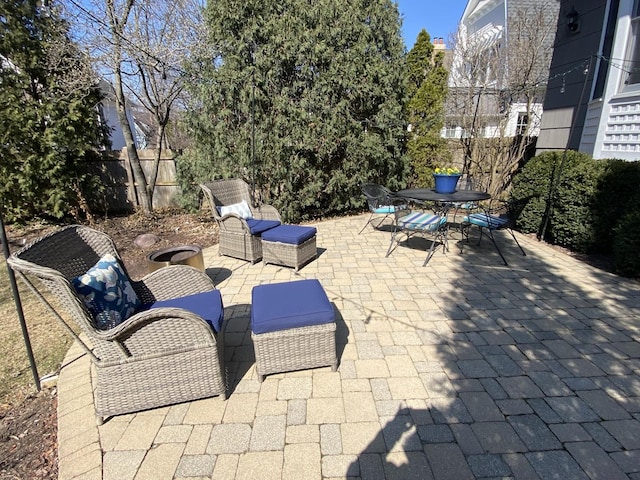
x=49 y=341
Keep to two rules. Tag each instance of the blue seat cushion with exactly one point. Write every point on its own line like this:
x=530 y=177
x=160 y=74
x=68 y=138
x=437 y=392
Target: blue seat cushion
x=385 y=209
x=256 y=227
x=292 y=234
x=208 y=305
x=485 y=220
x=421 y=221
x=281 y=306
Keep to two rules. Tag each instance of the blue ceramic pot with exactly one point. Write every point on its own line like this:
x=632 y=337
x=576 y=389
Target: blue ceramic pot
x=445 y=183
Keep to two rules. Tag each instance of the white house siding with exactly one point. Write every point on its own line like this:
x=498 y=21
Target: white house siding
x=622 y=130
x=480 y=13
x=617 y=128
x=590 y=130
x=535 y=115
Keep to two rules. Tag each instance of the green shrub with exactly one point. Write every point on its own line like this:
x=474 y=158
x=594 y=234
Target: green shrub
x=626 y=244
x=596 y=205
x=571 y=221
x=192 y=168
x=617 y=195
x=530 y=189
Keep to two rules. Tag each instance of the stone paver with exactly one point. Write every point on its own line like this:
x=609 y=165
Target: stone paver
x=268 y=433
x=461 y=369
x=595 y=461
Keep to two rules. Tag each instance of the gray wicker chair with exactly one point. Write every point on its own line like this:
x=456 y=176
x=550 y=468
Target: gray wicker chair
x=239 y=237
x=156 y=357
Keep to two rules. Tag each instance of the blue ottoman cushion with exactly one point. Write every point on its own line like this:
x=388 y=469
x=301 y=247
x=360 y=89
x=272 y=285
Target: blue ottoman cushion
x=208 y=305
x=291 y=234
x=281 y=306
x=256 y=227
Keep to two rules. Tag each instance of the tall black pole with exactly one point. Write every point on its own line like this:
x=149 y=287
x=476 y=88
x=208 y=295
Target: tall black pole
x=18 y=302
x=555 y=178
x=253 y=122
x=253 y=133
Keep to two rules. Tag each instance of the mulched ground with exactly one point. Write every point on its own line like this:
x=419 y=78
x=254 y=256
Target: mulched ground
x=28 y=438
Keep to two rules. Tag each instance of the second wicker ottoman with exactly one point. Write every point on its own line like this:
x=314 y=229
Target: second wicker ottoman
x=292 y=327
x=289 y=245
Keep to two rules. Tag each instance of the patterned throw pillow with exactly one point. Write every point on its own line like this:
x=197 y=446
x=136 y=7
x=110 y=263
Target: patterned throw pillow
x=241 y=209
x=107 y=293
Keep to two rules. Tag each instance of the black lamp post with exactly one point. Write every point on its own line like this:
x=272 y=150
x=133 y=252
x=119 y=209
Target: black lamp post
x=18 y=302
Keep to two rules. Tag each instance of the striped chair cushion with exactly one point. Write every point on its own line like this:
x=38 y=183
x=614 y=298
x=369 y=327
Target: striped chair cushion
x=486 y=221
x=421 y=221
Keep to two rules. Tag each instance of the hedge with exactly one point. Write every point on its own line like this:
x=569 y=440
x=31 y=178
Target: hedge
x=591 y=209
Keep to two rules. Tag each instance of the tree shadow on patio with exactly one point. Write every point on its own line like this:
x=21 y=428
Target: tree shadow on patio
x=412 y=446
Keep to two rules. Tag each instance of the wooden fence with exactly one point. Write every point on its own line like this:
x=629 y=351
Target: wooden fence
x=114 y=171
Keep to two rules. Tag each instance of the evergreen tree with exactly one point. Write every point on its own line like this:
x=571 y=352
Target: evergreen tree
x=427 y=89
x=322 y=85
x=48 y=121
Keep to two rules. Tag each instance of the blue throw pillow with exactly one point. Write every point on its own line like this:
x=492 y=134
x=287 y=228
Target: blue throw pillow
x=107 y=293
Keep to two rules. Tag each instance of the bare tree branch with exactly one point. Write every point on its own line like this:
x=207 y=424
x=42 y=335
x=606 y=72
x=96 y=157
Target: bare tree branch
x=498 y=77
x=142 y=46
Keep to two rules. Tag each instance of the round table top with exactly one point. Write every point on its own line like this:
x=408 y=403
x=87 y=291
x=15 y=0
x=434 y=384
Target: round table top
x=429 y=194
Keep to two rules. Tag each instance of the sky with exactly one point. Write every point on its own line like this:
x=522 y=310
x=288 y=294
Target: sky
x=438 y=17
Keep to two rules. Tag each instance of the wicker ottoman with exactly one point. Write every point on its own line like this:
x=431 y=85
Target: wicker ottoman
x=292 y=327
x=289 y=245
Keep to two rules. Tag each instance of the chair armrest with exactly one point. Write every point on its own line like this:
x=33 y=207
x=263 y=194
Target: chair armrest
x=160 y=330
x=401 y=207
x=172 y=282
x=234 y=223
x=497 y=208
x=266 y=212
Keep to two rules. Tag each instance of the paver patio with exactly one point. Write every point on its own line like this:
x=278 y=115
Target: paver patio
x=461 y=369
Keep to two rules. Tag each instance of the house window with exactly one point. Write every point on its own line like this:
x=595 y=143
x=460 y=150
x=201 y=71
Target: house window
x=523 y=122
x=633 y=58
x=602 y=70
x=450 y=131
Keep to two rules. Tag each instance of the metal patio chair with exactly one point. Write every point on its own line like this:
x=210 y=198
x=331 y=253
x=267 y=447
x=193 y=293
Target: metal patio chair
x=379 y=202
x=491 y=220
x=411 y=223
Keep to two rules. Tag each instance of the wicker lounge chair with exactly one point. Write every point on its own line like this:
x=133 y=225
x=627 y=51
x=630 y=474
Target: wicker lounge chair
x=159 y=355
x=239 y=231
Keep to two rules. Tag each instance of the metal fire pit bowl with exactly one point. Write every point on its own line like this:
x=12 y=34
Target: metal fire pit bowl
x=181 y=255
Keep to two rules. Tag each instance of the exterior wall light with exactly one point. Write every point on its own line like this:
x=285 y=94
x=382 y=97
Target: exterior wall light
x=572 y=20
